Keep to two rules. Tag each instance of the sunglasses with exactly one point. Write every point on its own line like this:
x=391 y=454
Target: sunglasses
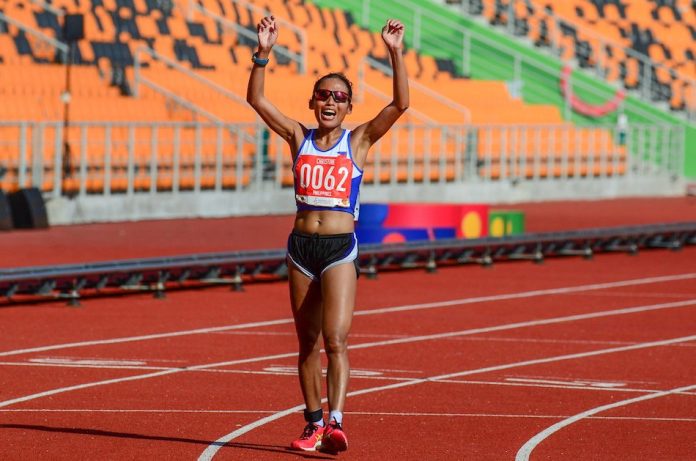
x=338 y=96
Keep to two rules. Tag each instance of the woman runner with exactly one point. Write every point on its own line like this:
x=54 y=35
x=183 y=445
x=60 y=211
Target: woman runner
x=322 y=249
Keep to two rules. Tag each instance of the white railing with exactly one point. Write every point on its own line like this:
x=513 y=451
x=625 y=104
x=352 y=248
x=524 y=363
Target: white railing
x=136 y=158
x=139 y=79
x=599 y=46
x=60 y=47
x=47 y=6
x=133 y=171
x=127 y=158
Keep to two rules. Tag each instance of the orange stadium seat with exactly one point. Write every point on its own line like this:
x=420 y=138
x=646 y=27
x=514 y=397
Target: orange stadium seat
x=224 y=57
x=658 y=29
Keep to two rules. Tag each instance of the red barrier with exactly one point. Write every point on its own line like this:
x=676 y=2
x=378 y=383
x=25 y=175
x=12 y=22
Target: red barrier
x=470 y=221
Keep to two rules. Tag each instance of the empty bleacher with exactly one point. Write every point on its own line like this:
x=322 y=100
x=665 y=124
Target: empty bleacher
x=215 y=40
x=648 y=45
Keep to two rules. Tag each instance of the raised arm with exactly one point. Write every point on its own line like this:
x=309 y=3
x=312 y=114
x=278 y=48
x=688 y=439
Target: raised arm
x=287 y=128
x=368 y=133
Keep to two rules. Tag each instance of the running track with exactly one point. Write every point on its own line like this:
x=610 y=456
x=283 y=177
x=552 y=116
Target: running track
x=570 y=359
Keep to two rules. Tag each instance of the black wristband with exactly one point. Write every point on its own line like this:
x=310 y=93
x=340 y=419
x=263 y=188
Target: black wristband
x=259 y=61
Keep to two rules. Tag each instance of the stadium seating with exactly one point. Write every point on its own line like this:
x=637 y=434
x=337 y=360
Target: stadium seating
x=202 y=40
x=596 y=32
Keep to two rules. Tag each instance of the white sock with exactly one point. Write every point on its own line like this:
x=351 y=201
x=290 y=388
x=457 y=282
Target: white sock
x=337 y=416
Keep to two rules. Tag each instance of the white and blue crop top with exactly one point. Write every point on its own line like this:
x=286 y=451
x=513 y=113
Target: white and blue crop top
x=327 y=179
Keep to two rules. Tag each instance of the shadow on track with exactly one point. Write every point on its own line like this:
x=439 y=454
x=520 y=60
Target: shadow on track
x=164 y=438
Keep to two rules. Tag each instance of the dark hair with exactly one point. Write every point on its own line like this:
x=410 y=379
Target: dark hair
x=339 y=76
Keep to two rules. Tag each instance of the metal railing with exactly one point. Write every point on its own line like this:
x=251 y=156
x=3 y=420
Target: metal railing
x=147 y=158
x=47 y=6
x=139 y=79
x=601 y=49
x=127 y=158
x=74 y=282
x=61 y=48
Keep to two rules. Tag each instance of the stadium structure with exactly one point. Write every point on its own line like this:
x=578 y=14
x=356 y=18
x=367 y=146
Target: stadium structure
x=134 y=109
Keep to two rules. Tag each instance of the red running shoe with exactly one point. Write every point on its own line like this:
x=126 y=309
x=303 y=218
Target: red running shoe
x=334 y=439
x=310 y=439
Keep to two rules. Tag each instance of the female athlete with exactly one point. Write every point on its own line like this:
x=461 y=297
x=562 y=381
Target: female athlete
x=322 y=248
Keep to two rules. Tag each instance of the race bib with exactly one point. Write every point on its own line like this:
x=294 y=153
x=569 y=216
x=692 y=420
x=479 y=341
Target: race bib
x=323 y=181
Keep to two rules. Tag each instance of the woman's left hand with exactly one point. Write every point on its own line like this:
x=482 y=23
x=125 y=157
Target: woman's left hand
x=393 y=34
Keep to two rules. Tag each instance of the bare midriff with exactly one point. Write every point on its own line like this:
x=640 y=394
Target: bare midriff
x=324 y=222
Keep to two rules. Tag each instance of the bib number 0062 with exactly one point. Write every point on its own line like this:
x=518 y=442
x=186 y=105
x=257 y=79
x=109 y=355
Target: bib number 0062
x=319 y=178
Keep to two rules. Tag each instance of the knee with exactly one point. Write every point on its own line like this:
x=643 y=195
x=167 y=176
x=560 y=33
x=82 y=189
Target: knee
x=335 y=343
x=309 y=344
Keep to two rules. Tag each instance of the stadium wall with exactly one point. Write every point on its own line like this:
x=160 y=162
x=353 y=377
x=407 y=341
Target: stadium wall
x=270 y=200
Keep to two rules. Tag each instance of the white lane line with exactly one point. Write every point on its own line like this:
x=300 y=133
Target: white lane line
x=510 y=326
x=647 y=295
x=532 y=293
x=146 y=337
x=531 y=323
x=552 y=386
x=520 y=416
x=527 y=448
x=358 y=376
x=132 y=410
x=433 y=305
x=210 y=452
x=347 y=413
x=558 y=341
x=571 y=382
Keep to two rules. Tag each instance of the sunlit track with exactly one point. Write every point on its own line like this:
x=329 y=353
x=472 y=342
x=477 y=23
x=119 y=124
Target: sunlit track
x=410 y=307
x=501 y=361
x=526 y=450
x=210 y=452
x=347 y=413
x=390 y=342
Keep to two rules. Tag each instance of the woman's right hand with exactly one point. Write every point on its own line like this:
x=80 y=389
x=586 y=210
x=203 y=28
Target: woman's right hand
x=267 y=33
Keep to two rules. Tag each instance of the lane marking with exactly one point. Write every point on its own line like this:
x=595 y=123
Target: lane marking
x=210 y=452
x=432 y=305
x=132 y=410
x=511 y=326
x=570 y=383
x=531 y=444
x=292 y=371
x=646 y=295
x=531 y=323
x=521 y=416
x=88 y=362
x=551 y=386
x=532 y=293
x=348 y=413
x=127 y=339
x=368 y=376
x=557 y=341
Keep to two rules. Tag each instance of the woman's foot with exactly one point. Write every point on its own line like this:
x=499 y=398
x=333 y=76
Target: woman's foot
x=310 y=439
x=334 y=439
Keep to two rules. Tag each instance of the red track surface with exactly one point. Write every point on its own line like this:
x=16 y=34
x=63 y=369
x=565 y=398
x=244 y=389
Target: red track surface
x=468 y=363
x=100 y=242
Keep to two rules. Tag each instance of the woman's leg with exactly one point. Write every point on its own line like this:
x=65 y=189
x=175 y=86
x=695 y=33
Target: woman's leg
x=338 y=291
x=305 y=299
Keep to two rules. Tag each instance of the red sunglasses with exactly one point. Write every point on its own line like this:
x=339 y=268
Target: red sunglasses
x=338 y=96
